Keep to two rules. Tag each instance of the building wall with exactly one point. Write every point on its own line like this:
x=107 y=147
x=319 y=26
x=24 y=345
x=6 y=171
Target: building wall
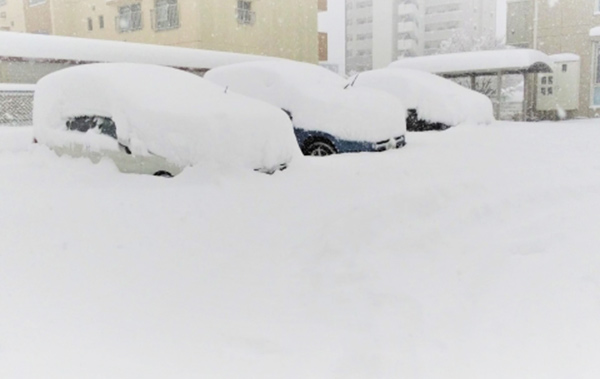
x=401 y=28
x=38 y=17
x=443 y=19
x=385 y=30
x=561 y=27
x=359 y=35
x=281 y=29
x=519 y=26
x=12 y=16
x=564 y=28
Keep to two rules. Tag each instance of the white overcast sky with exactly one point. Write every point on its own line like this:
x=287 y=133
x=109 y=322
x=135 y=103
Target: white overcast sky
x=333 y=23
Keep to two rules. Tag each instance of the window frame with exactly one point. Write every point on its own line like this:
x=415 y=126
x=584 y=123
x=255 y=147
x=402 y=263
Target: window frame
x=133 y=18
x=166 y=15
x=244 y=13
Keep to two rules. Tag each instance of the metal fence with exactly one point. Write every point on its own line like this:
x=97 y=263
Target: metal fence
x=16 y=108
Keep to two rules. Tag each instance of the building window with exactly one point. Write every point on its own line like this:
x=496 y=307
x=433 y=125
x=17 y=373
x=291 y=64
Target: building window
x=2 y=2
x=90 y=24
x=101 y=22
x=244 y=12
x=2 y=14
x=129 y=18
x=166 y=15
x=36 y=2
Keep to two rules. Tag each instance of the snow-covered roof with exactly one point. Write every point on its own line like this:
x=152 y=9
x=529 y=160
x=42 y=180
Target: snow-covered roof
x=58 y=48
x=480 y=62
x=595 y=32
x=4 y=87
x=565 y=57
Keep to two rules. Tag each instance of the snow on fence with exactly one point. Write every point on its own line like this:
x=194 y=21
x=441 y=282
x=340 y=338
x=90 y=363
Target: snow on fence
x=16 y=104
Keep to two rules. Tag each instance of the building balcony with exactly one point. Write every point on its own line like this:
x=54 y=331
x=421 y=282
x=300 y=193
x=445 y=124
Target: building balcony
x=444 y=17
x=406 y=9
x=407 y=45
x=410 y=27
x=407 y=2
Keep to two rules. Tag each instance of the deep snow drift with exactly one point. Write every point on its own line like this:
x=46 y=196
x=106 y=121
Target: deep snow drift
x=471 y=253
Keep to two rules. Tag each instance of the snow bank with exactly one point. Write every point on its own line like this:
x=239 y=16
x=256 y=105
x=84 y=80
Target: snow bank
x=163 y=111
x=469 y=254
x=317 y=99
x=436 y=99
x=36 y=46
x=595 y=32
x=478 y=61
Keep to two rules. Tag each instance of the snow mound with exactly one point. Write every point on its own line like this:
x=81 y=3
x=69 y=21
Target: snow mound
x=317 y=99
x=436 y=99
x=162 y=111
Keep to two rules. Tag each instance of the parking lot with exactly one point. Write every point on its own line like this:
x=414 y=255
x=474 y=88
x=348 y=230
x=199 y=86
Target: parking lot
x=469 y=253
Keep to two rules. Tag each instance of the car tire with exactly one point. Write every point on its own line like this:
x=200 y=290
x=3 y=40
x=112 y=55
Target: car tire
x=163 y=174
x=320 y=149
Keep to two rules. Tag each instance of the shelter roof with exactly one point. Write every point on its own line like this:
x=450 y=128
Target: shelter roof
x=24 y=46
x=476 y=63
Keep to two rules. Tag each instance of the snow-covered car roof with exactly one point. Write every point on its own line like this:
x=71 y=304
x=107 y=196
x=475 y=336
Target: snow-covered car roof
x=436 y=99
x=317 y=99
x=164 y=111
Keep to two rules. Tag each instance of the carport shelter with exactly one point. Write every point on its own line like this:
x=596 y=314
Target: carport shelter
x=526 y=62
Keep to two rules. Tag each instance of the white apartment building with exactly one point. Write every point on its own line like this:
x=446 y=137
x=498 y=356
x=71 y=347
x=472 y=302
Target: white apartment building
x=379 y=32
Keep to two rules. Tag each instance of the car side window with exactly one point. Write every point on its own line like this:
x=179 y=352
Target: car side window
x=83 y=124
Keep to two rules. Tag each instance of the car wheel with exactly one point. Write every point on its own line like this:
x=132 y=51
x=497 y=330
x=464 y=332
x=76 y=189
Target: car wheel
x=163 y=174
x=320 y=149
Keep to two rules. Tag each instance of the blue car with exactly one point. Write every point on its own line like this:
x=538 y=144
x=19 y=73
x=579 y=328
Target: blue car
x=329 y=117
x=317 y=143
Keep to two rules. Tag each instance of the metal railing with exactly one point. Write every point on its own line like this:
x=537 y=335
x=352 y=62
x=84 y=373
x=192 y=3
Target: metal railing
x=16 y=108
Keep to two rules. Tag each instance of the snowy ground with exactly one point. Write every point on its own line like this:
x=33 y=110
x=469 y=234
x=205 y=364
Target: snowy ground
x=470 y=253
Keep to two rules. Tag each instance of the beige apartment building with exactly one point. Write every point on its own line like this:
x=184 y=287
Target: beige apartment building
x=558 y=27
x=277 y=28
x=12 y=17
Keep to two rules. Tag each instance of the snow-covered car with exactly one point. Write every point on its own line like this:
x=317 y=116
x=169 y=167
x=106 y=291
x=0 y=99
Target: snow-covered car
x=328 y=117
x=157 y=120
x=433 y=103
